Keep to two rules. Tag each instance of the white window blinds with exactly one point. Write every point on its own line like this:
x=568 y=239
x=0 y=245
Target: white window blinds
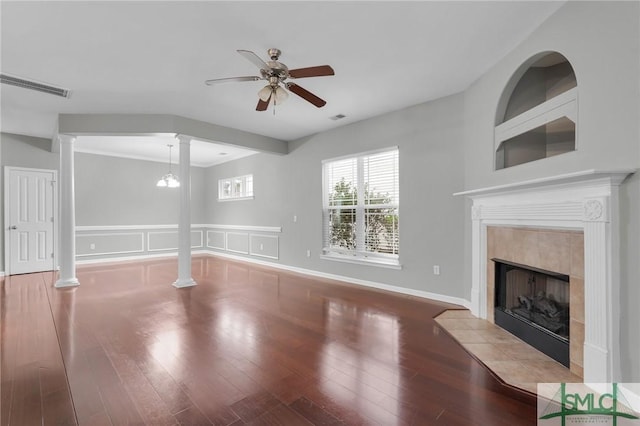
x=361 y=205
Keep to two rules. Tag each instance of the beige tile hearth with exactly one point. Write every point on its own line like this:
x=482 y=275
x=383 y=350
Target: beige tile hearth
x=515 y=362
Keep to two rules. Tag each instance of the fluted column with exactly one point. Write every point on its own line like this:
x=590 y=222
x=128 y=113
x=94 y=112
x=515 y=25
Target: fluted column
x=184 y=223
x=598 y=291
x=67 y=277
x=478 y=264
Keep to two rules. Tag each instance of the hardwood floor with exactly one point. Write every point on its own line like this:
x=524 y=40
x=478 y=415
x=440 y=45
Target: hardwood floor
x=247 y=345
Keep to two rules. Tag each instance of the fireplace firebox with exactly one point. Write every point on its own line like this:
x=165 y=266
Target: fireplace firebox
x=533 y=304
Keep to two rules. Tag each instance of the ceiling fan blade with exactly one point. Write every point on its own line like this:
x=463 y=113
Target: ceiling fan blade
x=318 y=71
x=263 y=105
x=231 y=80
x=306 y=95
x=254 y=59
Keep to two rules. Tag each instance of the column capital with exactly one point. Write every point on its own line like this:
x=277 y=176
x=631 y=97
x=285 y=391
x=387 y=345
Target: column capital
x=65 y=138
x=476 y=212
x=183 y=138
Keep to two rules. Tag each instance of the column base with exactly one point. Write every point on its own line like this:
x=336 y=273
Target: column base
x=596 y=364
x=67 y=282
x=184 y=283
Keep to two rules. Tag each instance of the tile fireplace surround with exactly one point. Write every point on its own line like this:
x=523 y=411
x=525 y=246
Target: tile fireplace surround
x=553 y=250
x=584 y=203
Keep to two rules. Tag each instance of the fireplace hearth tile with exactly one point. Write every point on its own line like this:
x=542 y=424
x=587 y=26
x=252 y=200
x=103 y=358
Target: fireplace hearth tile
x=511 y=359
x=489 y=351
x=464 y=324
x=495 y=335
x=467 y=336
x=524 y=352
x=457 y=313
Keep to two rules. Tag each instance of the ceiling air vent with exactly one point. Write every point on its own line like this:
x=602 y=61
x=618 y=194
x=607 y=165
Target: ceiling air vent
x=27 y=84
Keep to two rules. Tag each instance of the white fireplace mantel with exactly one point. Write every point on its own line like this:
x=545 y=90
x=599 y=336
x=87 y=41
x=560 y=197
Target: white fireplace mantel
x=587 y=201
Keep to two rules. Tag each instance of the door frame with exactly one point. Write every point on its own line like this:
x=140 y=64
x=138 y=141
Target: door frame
x=7 y=214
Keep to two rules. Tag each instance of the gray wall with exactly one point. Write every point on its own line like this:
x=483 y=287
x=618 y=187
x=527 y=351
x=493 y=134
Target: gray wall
x=121 y=191
x=429 y=137
x=445 y=146
x=601 y=41
x=22 y=151
x=109 y=191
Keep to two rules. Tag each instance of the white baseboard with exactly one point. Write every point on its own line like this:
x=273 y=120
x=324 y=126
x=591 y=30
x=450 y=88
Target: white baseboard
x=89 y=262
x=1 y=273
x=365 y=283
x=632 y=397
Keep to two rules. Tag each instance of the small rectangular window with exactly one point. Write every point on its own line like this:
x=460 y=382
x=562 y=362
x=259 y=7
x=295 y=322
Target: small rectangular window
x=235 y=188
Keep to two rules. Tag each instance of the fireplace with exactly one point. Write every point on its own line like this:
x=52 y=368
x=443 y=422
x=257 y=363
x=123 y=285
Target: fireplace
x=533 y=304
x=584 y=202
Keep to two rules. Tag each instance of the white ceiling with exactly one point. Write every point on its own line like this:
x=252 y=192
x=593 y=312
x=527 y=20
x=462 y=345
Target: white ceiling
x=153 y=57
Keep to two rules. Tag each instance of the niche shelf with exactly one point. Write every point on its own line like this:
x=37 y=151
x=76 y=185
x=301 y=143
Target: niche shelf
x=538 y=117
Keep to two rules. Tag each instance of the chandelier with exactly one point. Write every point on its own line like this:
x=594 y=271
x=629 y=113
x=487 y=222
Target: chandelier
x=169 y=180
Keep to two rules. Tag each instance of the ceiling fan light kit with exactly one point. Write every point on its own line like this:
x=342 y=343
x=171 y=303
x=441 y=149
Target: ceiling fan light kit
x=276 y=73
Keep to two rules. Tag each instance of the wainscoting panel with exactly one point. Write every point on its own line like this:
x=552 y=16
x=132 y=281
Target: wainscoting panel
x=125 y=242
x=96 y=244
x=238 y=242
x=263 y=245
x=168 y=240
x=216 y=240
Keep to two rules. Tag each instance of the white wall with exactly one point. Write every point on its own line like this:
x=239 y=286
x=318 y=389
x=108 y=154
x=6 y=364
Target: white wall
x=602 y=42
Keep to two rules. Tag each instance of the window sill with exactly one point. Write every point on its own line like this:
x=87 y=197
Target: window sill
x=382 y=263
x=235 y=199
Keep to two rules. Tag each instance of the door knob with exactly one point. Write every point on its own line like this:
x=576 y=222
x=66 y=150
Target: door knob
x=13 y=227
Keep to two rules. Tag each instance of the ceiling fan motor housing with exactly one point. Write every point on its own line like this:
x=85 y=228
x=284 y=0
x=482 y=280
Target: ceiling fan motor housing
x=274 y=53
x=277 y=69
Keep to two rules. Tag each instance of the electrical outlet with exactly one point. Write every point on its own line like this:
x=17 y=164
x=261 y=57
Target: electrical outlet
x=308 y=253
x=92 y=246
x=261 y=247
x=436 y=269
x=295 y=218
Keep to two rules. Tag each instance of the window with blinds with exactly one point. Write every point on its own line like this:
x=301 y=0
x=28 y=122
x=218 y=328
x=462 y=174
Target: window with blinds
x=240 y=187
x=361 y=206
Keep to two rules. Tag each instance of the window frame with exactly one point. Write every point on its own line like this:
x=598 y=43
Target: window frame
x=244 y=192
x=359 y=254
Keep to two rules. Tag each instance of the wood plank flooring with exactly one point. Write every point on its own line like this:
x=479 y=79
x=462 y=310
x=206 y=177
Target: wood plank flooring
x=247 y=346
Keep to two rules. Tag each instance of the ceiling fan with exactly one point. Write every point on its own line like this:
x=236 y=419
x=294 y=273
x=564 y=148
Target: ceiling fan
x=276 y=73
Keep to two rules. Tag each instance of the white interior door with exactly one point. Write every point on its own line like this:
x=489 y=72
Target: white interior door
x=30 y=205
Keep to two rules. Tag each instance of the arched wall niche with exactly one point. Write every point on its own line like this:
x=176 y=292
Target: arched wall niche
x=537 y=112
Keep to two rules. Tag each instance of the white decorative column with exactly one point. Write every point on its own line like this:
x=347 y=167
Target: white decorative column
x=67 y=228
x=478 y=252
x=599 y=303
x=184 y=223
